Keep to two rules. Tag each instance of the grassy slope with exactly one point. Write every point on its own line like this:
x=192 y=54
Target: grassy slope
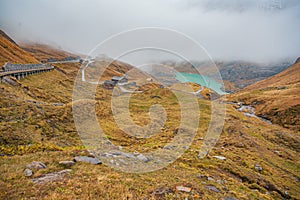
x=276 y=98
x=46 y=133
x=12 y=52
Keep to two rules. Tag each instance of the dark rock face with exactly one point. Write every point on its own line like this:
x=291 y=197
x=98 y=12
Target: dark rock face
x=243 y=74
x=298 y=60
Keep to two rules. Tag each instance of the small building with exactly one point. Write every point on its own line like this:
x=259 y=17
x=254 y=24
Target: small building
x=149 y=79
x=109 y=84
x=119 y=79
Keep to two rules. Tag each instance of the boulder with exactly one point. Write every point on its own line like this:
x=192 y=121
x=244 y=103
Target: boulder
x=55 y=176
x=213 y=188
x=86 y=159
x=36 y=165
x=183 y=189
x=28 y=172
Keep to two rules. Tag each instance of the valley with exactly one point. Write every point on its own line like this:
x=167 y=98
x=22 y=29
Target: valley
x=252 y=159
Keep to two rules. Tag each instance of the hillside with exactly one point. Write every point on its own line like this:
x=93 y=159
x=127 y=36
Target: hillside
x=276 y=98
x=43 y=52
x=36 y=124
x=10 y=51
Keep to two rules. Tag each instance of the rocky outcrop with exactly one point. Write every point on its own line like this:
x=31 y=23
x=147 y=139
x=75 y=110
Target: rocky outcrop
x=55 y=176
x=87 y=159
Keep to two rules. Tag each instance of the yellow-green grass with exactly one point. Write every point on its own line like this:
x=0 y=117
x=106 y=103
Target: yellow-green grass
x=27 y=133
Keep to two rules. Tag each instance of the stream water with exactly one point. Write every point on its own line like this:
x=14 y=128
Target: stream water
x=249 y=111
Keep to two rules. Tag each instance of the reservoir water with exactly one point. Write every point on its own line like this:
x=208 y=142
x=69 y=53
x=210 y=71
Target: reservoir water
x=201 y=80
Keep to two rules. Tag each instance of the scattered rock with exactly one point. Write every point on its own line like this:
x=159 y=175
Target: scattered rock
x=258 y=167
x=278 y=153
x=28 y=172
x=203 y=176
x=183 y=189
x=210 y=179
x=220 y=157
x=162 y=191
x=87 y=159
x=213 y=188
x=36 y=165
x=55 y=176
x=143 y=158
x=67 y=163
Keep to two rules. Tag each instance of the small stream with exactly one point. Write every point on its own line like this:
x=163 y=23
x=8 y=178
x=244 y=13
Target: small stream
x=249 y=111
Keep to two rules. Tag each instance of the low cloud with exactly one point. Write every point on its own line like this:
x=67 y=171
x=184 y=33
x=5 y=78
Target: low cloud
x=254 y=30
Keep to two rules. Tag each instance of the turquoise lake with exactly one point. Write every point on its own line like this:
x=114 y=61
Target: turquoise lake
x=200 y=79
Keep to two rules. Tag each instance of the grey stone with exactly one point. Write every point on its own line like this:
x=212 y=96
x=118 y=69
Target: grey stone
x=258 y=167
x=210 y=179
x=183 y=189
x=220 y=157
x=55 y=176
x=143 y=158
x=87 y=159
x=28 y=172
x=67 y=163
x=213 y=188
x=36 y=165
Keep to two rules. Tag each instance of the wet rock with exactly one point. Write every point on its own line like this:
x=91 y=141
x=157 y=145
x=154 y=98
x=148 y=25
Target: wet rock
x=28 y=172
x=67 y=163
x=36 y=165
x=213 y=188
x=220 y=157
x=55 y=176
x=258 y=167
x=87 y=159
x=183 y=189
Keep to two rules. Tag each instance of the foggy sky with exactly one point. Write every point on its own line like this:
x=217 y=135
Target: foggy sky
x=250 y=30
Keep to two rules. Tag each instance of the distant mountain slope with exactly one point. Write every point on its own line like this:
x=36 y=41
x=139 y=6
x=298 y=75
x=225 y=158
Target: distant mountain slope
x=43 y=52
x=277 y=97
x=288 y=77
x=10 y=51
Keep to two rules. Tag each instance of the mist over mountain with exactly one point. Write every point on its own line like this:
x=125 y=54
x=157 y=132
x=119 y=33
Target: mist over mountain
x=261 y=31
x=245 y=5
